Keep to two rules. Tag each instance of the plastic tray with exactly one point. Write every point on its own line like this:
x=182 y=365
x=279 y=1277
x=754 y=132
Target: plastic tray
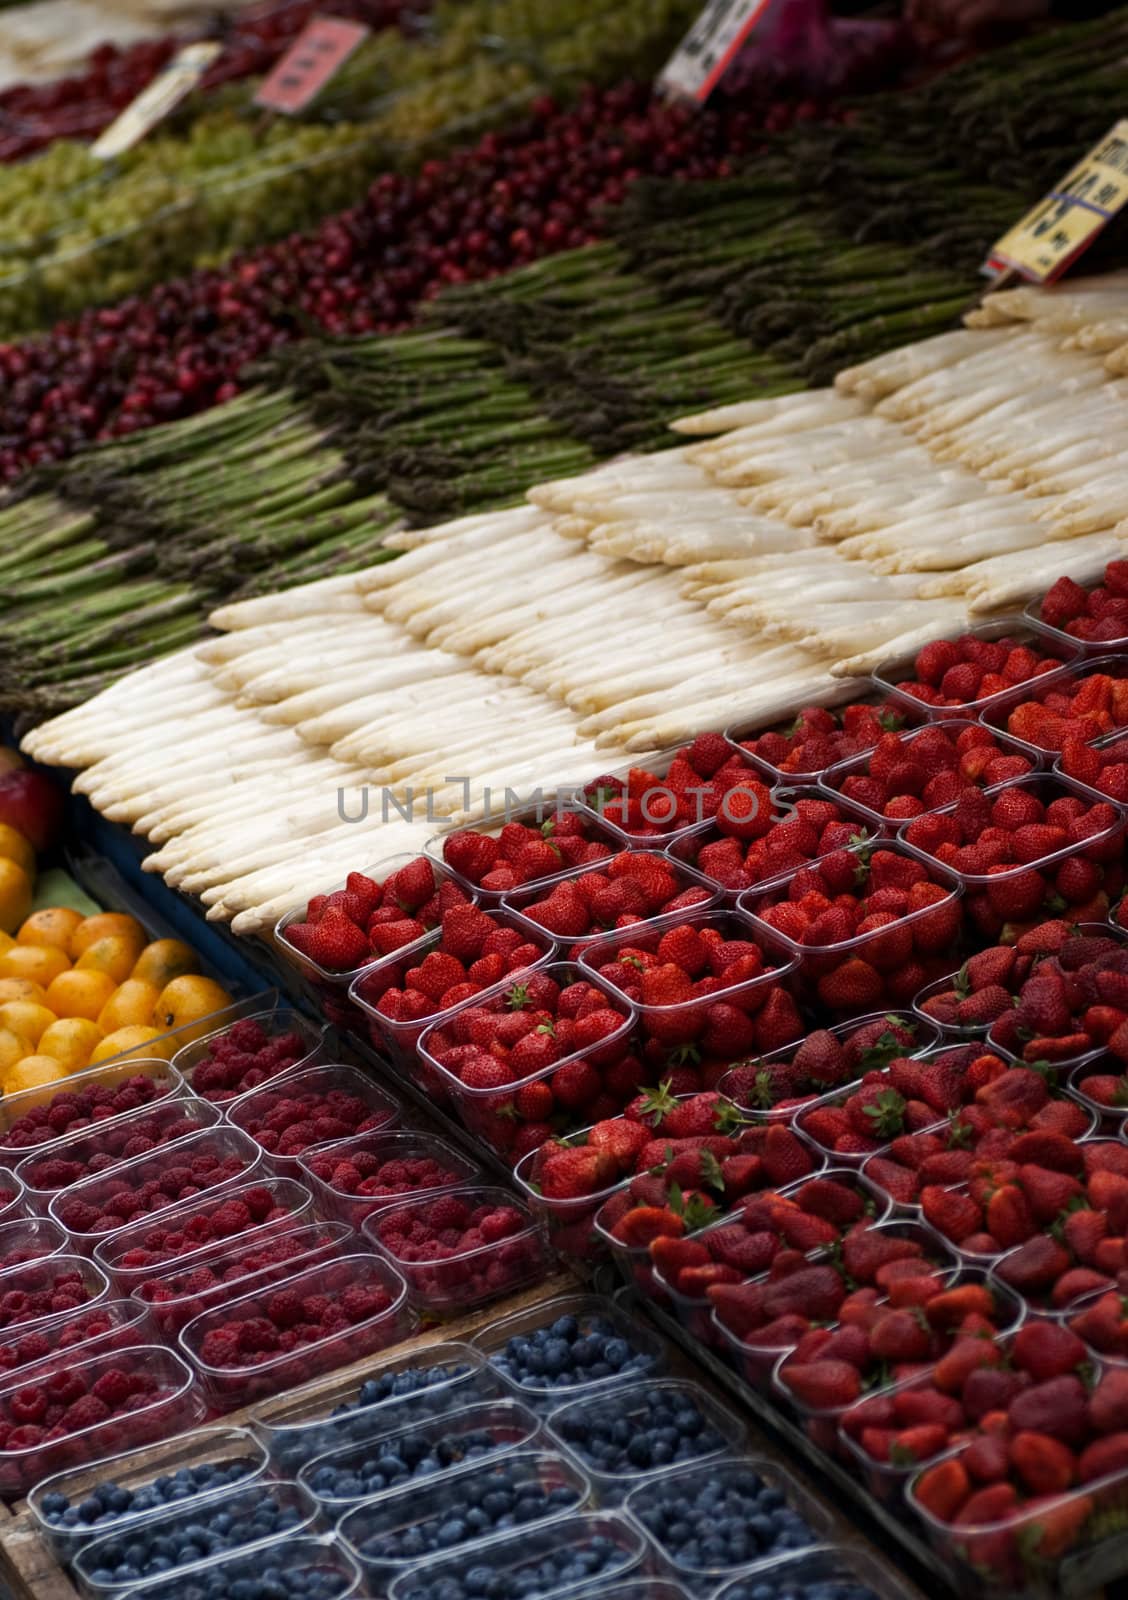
x=170 y=1120
x=96 y=1191
x=323 y=1079
x=475 y=1276
x=176 y=1407
x=229 y=1387
x=445 y=1501
x=30 y=1239
x=292 y=1200
x=629 y=1402
x=274 y=1021
x=1018 y=628
x=111 y=1550
x=13 y=1107
x=135 y=1469
x=405 y=1144
x=297 y=1430
x=626 y=1552
x=338 y=1573
x=493 y=1340
x=316 y=1242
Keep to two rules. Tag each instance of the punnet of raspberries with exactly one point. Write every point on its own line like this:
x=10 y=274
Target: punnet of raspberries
x=549 y=1050
x=47 y=1289
x=775 y=1085
x=1005 y=1113
x=873 y=925
x=811 y=827
x=1073 y=1002
x=85 y=1154
x=462 y=1248
x=367 y=1172
x=72 y=1109
x=192 y=1228
x=909 y=774
x=320 y=1105
x=521 y=852
x=244 y=1056
x=819 y=738
x=709 y=778
x=1085 y=704
x=1097 y=616
x=370 y=918
x=1045 y=1437
x=964 y=672
x=632 y=888
x=137 y=1188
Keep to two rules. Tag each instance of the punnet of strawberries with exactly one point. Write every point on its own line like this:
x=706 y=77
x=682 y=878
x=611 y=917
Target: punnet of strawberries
x=872 y=925
x=808 y=827
x=1096 y=616
x=909 y=774
x=709 y=778
x=958 y=674
x=371 y=916
x=819 y=738
x=633 y=887
x=1042 y=1470
x=1085 y=704
x=776 y=1085
x=1073 y=1003
x=526 y=852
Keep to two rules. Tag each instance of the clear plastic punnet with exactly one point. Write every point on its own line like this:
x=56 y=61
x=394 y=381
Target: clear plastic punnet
x=114 y=1494
x=572 y=1345
x=415 y=1385
x=368 y=1291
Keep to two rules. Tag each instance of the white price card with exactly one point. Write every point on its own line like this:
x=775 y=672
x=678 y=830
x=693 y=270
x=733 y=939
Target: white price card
x=1065 y=222
x=160 y=96
x=699 y=62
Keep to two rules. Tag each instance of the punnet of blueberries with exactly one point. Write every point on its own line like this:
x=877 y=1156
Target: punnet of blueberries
x=360 y=1470
x=526 y=1565
x=108 y=1502
x=640 y=1428
x=719 y=1516
x=181 y=1538
x=571 y=1351
x=514 y=1493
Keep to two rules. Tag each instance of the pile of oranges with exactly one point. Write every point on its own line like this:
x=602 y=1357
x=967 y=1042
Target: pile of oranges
x=75 y=991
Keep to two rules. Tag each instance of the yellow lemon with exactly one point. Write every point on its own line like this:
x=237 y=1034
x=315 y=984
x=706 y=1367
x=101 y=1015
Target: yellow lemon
x=137 y=1041
x=15 y=894
x=71 y=1041
x=35 y=962
x=80 y=994
x=15 y=847
x=130 y=1004
x=30 y=1073
x=26 y=1018
x=22 y=989
x=13 y=1048
x=164 y=960
x=114 y=955
x=106 y=925
x=52 y=927
x=188 y=1001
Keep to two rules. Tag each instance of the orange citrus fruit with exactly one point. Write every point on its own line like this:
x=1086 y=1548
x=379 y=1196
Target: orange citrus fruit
x=130 y=1004
x=22 y=989
x=70 y=1042
x=114 y=955
x=35 y=962
x=164 y=960
x=187 y=1001
x=15 y=847
x=135 y=1040
x=30 y=1073
x=26 y=1018
x=104 y=925
x=80 y=993
x=52 y=927
x=15 y=895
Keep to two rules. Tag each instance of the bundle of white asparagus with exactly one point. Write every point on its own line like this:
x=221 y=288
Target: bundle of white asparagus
x=788 y=546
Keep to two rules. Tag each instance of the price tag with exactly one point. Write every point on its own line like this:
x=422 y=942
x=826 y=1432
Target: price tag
x=156 y=99
x=1050 y=238
x=324 y=45
x=699 y=62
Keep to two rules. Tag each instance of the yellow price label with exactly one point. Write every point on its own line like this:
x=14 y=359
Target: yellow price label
x=1066 y=221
